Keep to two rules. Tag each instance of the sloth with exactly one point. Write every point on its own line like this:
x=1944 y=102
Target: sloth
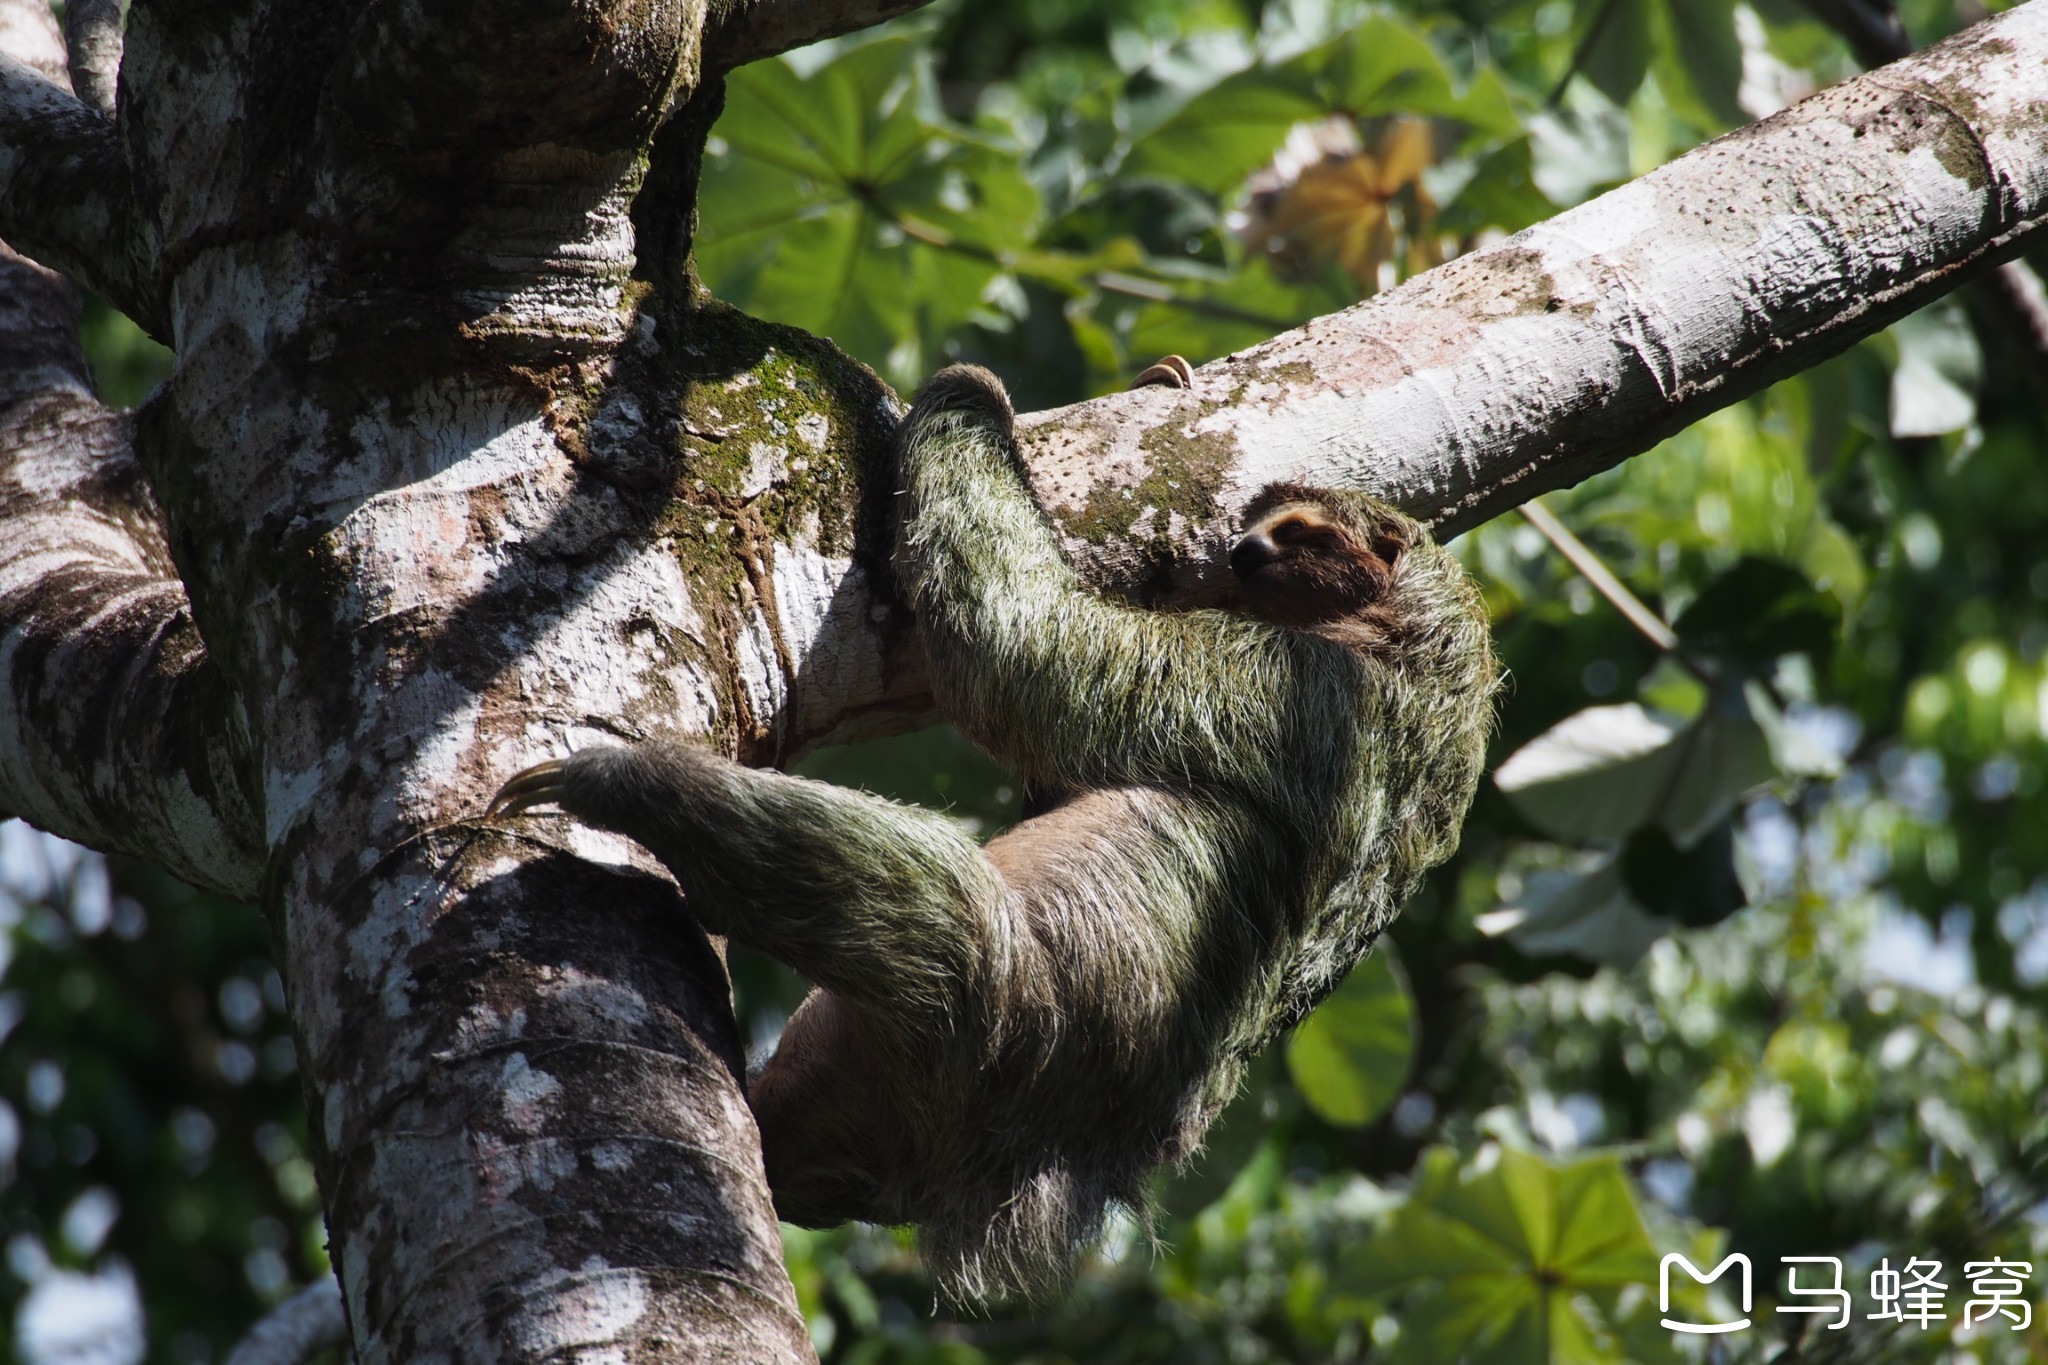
x=1006 y=1041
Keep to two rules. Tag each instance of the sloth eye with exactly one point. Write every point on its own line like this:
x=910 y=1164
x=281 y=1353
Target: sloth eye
x=1301 y=533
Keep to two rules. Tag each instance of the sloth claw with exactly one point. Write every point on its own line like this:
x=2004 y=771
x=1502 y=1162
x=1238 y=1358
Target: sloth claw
x=540 y=785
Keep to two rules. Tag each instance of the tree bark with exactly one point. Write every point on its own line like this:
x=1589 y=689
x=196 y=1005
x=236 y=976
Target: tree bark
x=458 y=470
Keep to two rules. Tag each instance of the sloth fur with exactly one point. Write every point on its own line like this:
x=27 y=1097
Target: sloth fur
x=1007 y=1040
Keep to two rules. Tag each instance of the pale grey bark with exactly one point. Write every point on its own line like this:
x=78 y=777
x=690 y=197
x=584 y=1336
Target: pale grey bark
x=1586 y=339
x=456 y=472
x=308 y=1321
x=114 y=726
x=2012 y=295
x=66 y=197
x=398 y=488
x=92 y=38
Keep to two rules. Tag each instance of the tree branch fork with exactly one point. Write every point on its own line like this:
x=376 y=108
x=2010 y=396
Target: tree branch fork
x=429 y=497
x=1509 y=372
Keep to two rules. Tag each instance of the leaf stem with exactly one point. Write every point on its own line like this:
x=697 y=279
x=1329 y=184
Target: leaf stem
x=1581 y=557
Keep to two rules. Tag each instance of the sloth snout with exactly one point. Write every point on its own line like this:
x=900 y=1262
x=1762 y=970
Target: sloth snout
x=1252 y=553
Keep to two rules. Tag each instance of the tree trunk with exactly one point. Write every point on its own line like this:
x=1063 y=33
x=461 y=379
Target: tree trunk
x=459 y=469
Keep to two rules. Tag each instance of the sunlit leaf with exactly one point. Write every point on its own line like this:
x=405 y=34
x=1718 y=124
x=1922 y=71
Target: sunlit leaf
x=1611 y=769
x=1583 y=911
x=1934 y=387
x=1382 y=67
x=1350 y=1057
x=1222 y=136
x=1520 y=1260
x=833 y=202
x=1615 y=45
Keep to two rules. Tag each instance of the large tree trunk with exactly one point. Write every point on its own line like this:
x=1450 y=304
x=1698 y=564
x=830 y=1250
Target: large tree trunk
x=458 y=470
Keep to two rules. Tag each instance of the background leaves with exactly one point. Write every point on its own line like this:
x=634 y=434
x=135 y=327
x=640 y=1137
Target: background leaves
x=1757 y=962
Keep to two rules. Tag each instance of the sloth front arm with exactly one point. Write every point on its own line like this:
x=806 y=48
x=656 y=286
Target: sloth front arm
x=1044 y=672
x=888 y=905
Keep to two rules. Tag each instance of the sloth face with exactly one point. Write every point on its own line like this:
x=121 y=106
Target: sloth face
x=1304 y=560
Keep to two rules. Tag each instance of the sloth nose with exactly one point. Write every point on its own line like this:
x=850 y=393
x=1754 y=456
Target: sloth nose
x=1252 y=553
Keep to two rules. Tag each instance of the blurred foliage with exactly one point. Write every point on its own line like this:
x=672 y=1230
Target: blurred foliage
x=152 y=1135
x=126 y=364
x=1747 y=951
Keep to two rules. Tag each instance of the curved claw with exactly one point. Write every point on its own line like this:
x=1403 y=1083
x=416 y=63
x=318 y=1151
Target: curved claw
x=539 y=785
x=1169 y=372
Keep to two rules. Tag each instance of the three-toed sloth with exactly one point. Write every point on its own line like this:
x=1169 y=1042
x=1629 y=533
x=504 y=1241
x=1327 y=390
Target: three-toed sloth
x=1005 y=1040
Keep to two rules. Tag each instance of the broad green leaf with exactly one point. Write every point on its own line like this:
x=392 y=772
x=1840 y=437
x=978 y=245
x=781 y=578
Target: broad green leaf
x=1382 y=67
x=854 y=118
x=1350 y=1057
x=1614 y=45
x=1611 y=769
x=1584 y=910
x=1834 y=564
x=1225 y=134
x=1706 y=54
x=1431 y=1244
x=832 y=202
x=1516 y=1262
x=1486 y=110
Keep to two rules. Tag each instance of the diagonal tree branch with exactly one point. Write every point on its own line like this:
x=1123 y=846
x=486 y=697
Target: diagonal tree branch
x=451 y=488
x=65 y=194
x=2011 y=297
x=1587 y=339
x=92 y=38
x=114 y=728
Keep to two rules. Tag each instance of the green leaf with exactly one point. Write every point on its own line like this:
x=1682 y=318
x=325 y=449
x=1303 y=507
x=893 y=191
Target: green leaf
x=1758 y=611
x=833 y=203
x=1614 y=46
x=1381 y=67
x=1609 y=770
x=1514 y=1262
x=1350 y=1058
x=1223 y=135
x=852 y=119
x=1707 y=54
x=1501 y=194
